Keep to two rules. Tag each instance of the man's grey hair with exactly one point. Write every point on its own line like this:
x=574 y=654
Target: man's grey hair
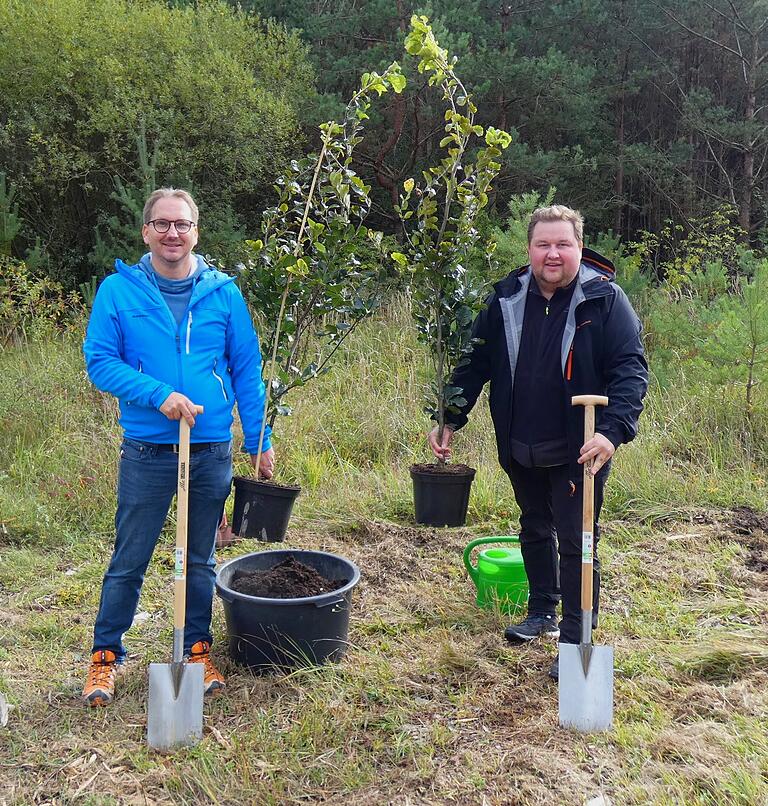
x=166 y=193
x=558 y=212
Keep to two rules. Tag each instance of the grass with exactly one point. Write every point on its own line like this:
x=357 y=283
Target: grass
x=430 y=705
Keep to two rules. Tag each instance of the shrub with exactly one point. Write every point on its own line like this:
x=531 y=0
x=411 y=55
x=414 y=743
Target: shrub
x=32 y=307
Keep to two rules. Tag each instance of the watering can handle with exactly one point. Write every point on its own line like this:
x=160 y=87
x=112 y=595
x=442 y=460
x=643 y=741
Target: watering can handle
x=481 y=541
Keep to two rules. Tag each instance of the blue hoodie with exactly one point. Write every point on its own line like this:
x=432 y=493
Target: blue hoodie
x=135 y=351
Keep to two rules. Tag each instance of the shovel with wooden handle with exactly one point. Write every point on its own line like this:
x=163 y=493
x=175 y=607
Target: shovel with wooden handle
x=586 y=671
x=175 y=708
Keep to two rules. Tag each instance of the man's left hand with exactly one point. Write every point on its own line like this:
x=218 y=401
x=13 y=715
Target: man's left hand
x=598 y=450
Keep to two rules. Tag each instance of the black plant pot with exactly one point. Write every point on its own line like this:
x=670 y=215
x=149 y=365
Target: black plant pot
x=441 y=497
x=262 y=510
x=269 y=635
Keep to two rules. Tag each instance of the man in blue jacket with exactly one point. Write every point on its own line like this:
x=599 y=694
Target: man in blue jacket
x=164 y=336
x=555 y=328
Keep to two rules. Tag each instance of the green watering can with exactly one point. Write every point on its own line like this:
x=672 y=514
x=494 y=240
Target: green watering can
x=499 y=575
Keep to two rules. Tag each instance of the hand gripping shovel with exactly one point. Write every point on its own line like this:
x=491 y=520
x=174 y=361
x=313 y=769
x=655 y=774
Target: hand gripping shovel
x=175 y=709
x=586 y=671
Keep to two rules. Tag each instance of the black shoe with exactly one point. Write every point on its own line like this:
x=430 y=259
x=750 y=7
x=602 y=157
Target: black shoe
x=532 y=627
x=554 y=669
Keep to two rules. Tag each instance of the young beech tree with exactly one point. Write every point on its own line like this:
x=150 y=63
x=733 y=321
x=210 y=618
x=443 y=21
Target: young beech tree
x=316 y=272
x=439 y=216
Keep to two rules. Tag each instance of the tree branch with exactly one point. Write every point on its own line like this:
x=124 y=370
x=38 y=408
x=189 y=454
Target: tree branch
x=661 y=61
x=729 y=181
x=698 y=34
x=737 y=18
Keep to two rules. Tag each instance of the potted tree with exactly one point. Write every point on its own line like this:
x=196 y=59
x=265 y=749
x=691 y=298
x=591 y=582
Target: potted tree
x=439 y=216
x=311 y=280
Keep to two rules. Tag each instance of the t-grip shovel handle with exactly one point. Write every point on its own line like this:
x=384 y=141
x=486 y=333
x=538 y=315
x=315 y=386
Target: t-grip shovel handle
x=180 y=559
x=587 y=525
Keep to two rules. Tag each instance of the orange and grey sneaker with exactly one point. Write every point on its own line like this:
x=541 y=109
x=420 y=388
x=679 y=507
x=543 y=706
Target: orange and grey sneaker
x=213 y=679
x=100 y=683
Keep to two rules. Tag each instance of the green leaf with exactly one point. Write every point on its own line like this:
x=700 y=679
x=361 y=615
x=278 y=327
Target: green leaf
x=399 y=258
x=299 y=268
x=398 y=82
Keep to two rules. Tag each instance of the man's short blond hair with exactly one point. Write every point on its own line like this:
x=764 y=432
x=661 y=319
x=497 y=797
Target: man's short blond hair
x=558 y=212
x=166 y=193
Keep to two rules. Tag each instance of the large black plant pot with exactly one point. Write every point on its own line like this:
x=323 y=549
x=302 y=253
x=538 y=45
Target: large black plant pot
x=441 y=496
x=269 y=635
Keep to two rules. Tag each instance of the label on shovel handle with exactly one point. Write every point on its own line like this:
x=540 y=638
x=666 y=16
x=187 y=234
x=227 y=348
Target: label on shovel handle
x=178 y=568
x=586 y=547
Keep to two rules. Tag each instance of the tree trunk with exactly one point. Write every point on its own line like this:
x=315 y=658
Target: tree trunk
x=618 y=184
x=748 y=162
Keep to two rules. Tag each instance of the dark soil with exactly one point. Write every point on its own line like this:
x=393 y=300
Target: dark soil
x=754 y=526
x=289 y=579
x=449 y=468
x=270 y=483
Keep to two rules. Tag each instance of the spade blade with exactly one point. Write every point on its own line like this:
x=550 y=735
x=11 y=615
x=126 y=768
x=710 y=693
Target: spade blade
x=175 y=707
x=586 y=700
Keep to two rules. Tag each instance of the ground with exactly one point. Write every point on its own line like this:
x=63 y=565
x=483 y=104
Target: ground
x=430 y=705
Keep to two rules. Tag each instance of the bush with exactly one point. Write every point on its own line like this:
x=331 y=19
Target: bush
x=215 y=89
x=31 y=307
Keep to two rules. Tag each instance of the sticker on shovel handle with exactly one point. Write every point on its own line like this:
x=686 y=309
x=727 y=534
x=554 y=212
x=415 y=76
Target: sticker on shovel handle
x=586 y=547
x=178 y=569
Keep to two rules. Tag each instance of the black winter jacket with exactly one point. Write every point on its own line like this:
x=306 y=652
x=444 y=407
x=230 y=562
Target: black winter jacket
x=601 y=354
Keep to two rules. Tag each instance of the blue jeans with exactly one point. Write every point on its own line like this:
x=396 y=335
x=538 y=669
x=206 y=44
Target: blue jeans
x=146 y=485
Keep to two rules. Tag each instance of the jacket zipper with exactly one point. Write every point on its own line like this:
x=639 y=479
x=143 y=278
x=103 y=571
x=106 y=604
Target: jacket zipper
x=189 y=329
x=569 y=361
x=220 y=380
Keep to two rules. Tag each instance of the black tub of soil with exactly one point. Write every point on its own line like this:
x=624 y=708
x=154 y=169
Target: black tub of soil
x=441 y=494
x=262 y=508
x=287 y=608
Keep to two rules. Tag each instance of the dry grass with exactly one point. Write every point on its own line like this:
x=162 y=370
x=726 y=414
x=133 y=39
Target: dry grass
x=430 y=705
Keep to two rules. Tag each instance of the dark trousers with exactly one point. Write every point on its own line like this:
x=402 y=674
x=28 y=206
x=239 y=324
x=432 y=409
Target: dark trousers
x=550 y=523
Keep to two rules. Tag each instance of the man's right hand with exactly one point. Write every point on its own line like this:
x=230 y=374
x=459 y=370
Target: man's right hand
x=176 y=406
x=441 y=448
x=267 y=465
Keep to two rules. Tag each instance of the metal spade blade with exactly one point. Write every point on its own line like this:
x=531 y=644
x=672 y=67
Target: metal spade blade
x=586 y=700
x=175 y=708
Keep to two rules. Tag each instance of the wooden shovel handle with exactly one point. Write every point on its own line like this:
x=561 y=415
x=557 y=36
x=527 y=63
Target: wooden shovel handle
x=182 y=518
x=588 y=501
x=589 y=400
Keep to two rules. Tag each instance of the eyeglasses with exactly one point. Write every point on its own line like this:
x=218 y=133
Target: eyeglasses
x=162 y=225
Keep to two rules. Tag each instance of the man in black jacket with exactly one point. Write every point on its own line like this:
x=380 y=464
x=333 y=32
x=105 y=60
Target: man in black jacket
x=556 y=328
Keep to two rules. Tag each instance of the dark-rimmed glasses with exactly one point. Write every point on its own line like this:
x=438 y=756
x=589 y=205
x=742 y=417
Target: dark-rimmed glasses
x=181 y=225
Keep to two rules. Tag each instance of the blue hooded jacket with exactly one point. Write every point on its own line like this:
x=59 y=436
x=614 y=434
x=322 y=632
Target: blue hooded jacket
x=135 y=351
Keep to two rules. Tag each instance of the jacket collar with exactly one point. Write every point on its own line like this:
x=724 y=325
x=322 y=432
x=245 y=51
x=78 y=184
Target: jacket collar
x=206 y=282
